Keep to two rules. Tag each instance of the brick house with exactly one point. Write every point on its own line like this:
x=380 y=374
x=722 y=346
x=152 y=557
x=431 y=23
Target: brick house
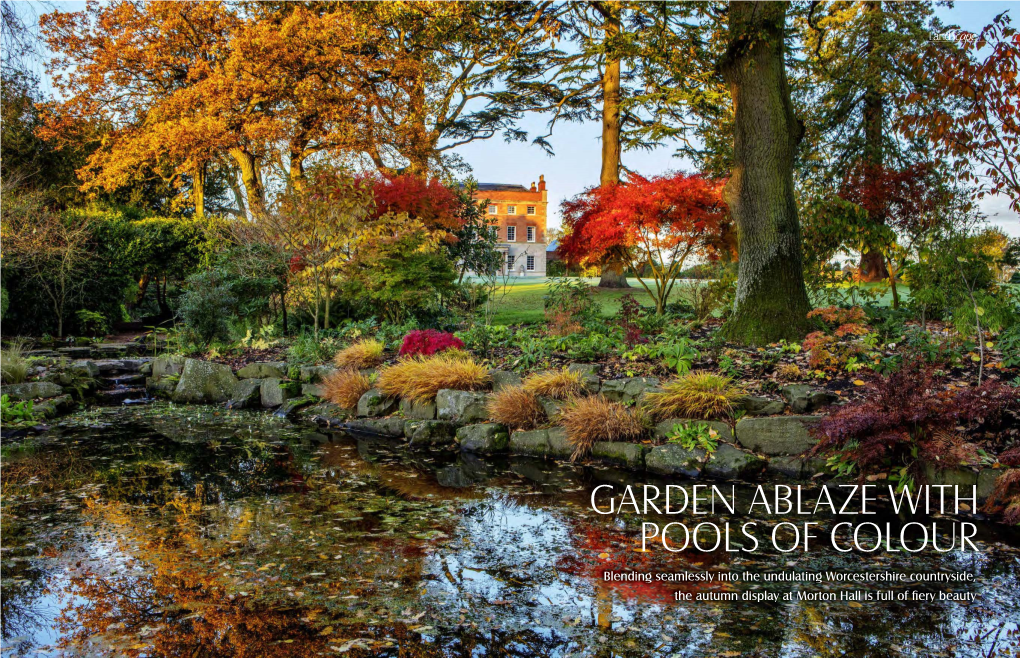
x=520 y=216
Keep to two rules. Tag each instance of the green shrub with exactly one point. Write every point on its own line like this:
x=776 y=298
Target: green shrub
x=207 y=306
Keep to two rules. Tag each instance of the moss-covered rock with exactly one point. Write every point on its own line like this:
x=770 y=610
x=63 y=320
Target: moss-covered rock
x=264 y=370
x=730 y=463
x=429 y=432
x=630 y=390
x=631 y=455
x=461 y=406
x=418 y=410
x=777 y=435
x=484 y=438
x=32 y=390
x=672 y=459
x=204 y=381
x=375 y=403
x=247 y=394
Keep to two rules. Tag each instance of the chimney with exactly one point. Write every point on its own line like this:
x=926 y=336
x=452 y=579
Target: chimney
x=532 y=186
x=541 y=183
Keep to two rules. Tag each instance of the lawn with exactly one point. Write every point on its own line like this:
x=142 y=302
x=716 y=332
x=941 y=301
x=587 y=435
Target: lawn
x=522 y=303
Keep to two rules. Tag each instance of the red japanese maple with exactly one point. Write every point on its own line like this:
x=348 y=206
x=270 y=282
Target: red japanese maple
x=657 y=222
x=426 y=200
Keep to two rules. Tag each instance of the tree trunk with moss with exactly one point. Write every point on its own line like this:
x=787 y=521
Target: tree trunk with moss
x=613 y=268
x=872 y=265
x=771 y=301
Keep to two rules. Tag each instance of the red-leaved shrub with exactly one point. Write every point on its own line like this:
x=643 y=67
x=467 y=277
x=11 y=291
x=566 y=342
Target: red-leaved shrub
x=426 y=342
x=905 y=411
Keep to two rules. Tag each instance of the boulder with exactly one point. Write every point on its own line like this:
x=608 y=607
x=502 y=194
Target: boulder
x=374 y=403
x=630 y=390
x=163 y=387
x=759 y=406
x=264 y=370
x=777 y=435
x=461 y=406
x=484 y=438
x=534 y=443
x=146 y=368
x=204 y=381
x=429 y=432
x=314 y=390
x=392 y=427
x=275 y=392
x=54 y=406
x=631 y=455
x=986 y=481
x=791 y=467
x=664 y=429
x=84 y=369
x=292 y=405
x=729 y=463
x=167 y=365
x=803 y=398
x=672 y=459
x=954 y=477
x=559 y=446
x=418 y=410
x=589 y=375
x=314 y=374
x=551 y=406
x=247 y=394
x=504 y=378
x=32 y=390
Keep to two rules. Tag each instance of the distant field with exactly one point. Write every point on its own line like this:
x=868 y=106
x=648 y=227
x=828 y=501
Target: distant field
x=522 y=303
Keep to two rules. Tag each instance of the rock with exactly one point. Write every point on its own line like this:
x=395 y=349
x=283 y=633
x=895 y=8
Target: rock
x=552 y=406
x=314 y=390
x=631 y=455
x=32 y=390
x=504 y=378
x=204 y=381
x=461 y=406
x=986 y=481
x=263 y=370
x=813 y=466
x=954 y=477
x=275 y=392
x=803 y=398
x=163 y=387
x=247 y=394
x=589 y=375
x=791 y=467
x=664 y=429
x=314 y=374
x=484 y=438
x=559 y=446
x=429 y=432
x=630 y=390
x=759 y=406
x=534 y=443
x=418 y=410
x=84 y=369
x=391 y=427
x=54 y=406
x=777 y=435
x=374 y=403
x=146 y=368
x=672 y=459
x=292 y=405
x=729 y=463
x=167 y=365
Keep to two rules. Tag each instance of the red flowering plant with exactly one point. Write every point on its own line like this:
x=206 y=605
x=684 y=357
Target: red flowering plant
x=652 y=224
x=426 y=342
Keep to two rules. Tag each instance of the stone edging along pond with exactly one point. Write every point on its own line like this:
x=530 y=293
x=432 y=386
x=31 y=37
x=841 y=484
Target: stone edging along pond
x=767 y=441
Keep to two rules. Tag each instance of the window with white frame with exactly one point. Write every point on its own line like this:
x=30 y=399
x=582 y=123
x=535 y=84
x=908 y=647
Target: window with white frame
x=509 y=261
x=493 y=209
x=531 y=234
x=511 y=234
x=531 y=210
x=511 y=210
x=531 y=263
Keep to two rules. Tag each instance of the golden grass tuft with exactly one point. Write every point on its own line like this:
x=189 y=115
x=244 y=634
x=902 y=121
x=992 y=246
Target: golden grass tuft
x=789 y=372
x=558 y=384
x=699 y=395
x=13 y=364
x=345 y=387
x=591 y=419
x=367 y=353
x=418 y=379
x=517 y=408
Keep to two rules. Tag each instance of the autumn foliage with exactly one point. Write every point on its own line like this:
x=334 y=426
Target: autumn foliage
x=658 y=222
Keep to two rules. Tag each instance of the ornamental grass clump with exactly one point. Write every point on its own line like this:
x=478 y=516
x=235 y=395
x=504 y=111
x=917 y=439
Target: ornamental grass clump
x=418 y=379
x=345 y=387
x=366 y=353
x=517 y=408
x=591 y=419
x=557 y=384
x=699 y=394
x=13 y=364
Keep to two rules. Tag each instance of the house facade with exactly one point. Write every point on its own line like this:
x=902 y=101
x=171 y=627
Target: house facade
x=518 y=215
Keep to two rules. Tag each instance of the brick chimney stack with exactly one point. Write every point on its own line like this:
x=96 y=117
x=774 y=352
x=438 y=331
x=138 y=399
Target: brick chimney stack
x=532 y=186
x=541 y=183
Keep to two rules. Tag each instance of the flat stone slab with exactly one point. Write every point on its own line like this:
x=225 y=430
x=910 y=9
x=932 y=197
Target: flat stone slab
x=263 y=370
x=673 y=459
x=418 y=410
x=484 y=438
x=630 y=390
x=631 y=455
x=464 y=407
x=730 y=463
x=32 y=390
x=777 y=435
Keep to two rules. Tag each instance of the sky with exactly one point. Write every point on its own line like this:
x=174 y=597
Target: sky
x=578 y=157
x=578 y=150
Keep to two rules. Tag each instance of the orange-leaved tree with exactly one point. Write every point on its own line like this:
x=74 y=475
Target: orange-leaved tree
x=661 y=221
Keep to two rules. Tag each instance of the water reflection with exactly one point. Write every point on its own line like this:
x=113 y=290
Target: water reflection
x=180 y=532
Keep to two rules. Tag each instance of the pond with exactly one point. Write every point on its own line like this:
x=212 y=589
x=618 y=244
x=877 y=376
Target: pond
x=191 y=531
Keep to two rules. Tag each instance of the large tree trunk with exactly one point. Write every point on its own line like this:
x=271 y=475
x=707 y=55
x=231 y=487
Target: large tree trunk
x=251 y=179
x=872 y=266
x=613 y=275
x=198 y=190
x=771 y=301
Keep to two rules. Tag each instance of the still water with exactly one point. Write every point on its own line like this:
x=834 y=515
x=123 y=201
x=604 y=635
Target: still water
x=184 y=531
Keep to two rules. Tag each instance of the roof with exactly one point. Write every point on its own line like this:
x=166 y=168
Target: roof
x=501 y=187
